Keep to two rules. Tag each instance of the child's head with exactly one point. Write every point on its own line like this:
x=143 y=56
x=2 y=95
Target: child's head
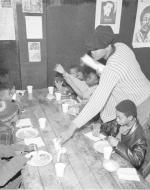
x=126 y=111
x=73 y=70
x=92 y=79
x=5 y=93
x=76 y=72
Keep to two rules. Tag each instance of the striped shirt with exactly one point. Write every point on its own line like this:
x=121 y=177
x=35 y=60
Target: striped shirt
x=121 y=79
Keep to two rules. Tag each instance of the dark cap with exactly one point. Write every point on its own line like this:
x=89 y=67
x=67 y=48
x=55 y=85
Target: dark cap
x=100 y=38
x=127 y=107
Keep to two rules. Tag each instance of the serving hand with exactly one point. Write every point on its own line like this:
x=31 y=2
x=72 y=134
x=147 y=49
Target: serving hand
x=65 y=136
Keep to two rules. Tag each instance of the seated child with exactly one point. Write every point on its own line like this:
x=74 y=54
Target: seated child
x=82 y=88
x=11 y=164
x=130 y=142
x=61 y=85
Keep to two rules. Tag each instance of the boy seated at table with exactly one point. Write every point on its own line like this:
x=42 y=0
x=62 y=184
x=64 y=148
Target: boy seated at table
x=11 y=164
x=83 y=88
x=130 y=142
x=125 y=134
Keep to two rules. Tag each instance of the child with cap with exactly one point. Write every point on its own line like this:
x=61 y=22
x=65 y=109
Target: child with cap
x=130 y=142
x=83 y=88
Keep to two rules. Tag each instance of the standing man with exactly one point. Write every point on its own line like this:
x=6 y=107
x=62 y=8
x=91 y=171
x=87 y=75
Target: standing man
x=121 y=79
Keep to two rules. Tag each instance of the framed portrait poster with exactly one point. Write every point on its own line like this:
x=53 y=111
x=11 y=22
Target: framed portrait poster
x=108 y=13
x=32 y=6
x=141 y=35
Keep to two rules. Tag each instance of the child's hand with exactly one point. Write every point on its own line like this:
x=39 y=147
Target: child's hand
x=59 y=68
x=58 y=85
x=113 y=141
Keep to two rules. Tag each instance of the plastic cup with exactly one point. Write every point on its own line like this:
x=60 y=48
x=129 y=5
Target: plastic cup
x=58 y=96
x=14 y=96
x=42 y=122
x=29 y=88
x=107 y=152
x=60 y=167
x=65 y=107
x=51 y=90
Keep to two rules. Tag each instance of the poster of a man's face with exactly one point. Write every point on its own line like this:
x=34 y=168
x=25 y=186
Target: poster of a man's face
x=141 y=37
x=108 y=12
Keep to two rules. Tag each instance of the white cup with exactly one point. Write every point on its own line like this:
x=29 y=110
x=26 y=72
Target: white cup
x=29 y=88
x=51 y=90
x=42 y=122
x=60 y=167
x=65 y=107
x=58 y=96
x=14 y=96
x=107 y=152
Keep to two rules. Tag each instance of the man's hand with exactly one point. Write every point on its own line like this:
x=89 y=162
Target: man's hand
x=30 y=148
x=65 y=136
x=59 y=68
x=113 y=141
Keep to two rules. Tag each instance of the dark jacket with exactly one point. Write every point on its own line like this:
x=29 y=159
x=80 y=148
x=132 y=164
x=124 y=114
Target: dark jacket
x=8 y=169
x=133 y=146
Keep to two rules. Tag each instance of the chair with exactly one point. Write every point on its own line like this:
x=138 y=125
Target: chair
x=145 y=169
x=4 y=77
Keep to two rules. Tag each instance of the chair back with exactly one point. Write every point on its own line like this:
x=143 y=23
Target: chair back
x=145 y=168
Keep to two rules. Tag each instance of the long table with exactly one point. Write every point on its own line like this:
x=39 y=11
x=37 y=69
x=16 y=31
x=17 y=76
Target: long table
x=84 y=168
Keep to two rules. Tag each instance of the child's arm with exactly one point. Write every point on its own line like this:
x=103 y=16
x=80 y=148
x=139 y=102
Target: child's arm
x=11 y=168
x=9 y=150
x=80 y=87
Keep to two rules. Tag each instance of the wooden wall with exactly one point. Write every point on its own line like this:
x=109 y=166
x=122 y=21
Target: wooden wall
x=66 y=24
x=69 y=23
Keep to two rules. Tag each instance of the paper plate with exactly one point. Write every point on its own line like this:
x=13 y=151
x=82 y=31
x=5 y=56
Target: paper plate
x=40 y=158
x=26 y=133
x=99 y=145
x=110 y=165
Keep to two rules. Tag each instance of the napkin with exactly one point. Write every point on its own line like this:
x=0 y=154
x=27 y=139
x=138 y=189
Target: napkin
x=92 y=137
x=24 y=122
x=128 y=174
x=38 y=141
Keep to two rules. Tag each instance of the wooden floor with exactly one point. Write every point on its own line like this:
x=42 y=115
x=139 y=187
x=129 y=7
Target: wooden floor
x=84 y=168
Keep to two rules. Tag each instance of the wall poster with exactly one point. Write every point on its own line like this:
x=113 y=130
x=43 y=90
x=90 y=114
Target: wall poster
x=108 y=13
x=6 y=3
x=7 y=26
x=34 y=27
x=32 y=6
x=34 y=50
x=141 y=35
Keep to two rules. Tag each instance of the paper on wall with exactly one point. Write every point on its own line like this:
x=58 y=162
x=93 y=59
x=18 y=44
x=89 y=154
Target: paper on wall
x=34 y=27
x=34 y=50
